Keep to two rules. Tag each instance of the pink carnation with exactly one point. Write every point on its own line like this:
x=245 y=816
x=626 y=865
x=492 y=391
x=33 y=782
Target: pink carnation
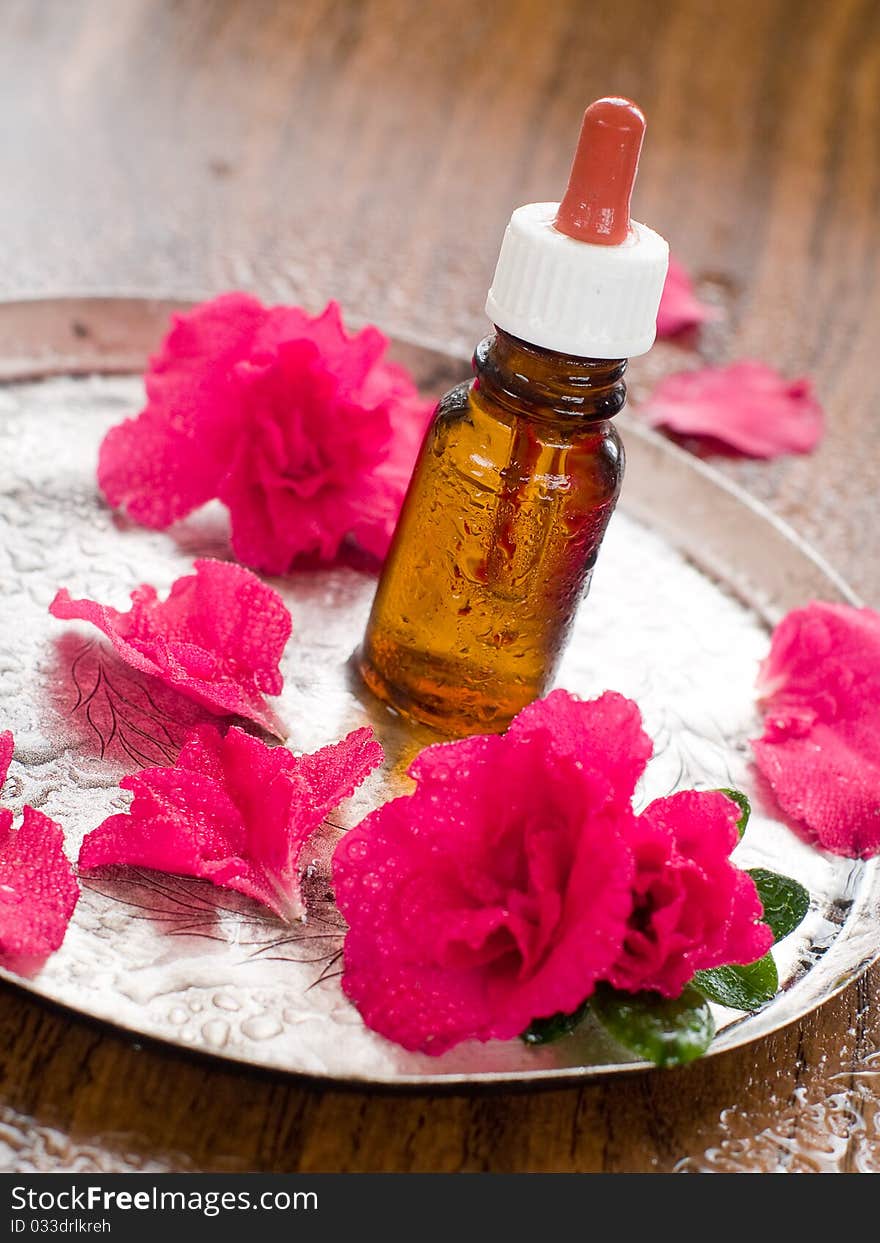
x=680 y=308
x=692 y=908
x=38 y=890
x=233 y=811
x=302 y=430
x=517 y=876
x=217 y=638
x=747 y=406
x=820 y=689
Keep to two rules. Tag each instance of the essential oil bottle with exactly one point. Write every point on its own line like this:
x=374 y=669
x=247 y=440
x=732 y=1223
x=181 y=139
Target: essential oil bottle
x=521 y=468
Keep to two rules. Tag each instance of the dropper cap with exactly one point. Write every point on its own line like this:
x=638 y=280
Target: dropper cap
x=595 y=207
x=580 y=277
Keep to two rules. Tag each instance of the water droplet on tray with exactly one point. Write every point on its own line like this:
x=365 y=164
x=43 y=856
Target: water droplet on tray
x=261 y=1027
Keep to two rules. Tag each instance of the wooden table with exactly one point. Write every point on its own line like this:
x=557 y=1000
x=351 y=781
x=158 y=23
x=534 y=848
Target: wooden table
x=372 y=151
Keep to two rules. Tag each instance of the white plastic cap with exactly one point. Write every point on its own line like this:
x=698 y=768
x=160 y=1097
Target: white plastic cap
x=576 y=297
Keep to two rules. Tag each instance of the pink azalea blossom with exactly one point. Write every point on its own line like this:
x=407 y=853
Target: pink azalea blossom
x=746 y=406
x=692 y=908
x=820 y=751
x=680 y=308
x=517 y=876
x=235 y=812
x=217 y=638
x=38 y=890
x=304 y=432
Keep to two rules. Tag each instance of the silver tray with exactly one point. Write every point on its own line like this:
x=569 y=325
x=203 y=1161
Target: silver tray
x=691 y=578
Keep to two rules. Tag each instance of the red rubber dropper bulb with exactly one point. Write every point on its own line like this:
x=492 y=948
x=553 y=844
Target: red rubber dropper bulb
x=596 y=204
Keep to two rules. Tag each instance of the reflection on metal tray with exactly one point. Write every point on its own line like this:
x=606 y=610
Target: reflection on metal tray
x=691 y=576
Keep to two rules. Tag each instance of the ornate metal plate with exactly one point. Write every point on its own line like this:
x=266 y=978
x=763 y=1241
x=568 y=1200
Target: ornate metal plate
x=691 y=577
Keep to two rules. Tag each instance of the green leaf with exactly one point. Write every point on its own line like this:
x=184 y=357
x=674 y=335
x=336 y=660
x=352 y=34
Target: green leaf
x=785 y=901
x=744 y=806
x=741 y=988
x=545 y=1031
x=665 y=1032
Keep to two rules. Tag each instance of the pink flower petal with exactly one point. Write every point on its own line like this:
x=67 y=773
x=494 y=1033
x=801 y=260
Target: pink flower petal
x=680 y=308
x=298 y=427
x=607 y=731
x=38 y=890
x=820 y=751
x=7 y=746
x=233 y=811
x=218 y=637
x=747 y=405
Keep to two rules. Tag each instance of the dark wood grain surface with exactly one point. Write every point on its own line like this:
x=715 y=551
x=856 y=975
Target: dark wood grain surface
x=371 y=151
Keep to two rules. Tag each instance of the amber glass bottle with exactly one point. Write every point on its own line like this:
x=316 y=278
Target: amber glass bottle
x=521 y=468
x=498 y=537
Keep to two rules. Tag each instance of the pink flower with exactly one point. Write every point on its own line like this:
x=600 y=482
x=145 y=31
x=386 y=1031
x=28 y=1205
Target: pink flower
x=217 y=638
x=746 y=406
x=499 y=891
x=233 y=811
x=38 y=890
x=302 y=430
x=516 y=877
x=680 y=308
x=820 y=689
x=692 y=908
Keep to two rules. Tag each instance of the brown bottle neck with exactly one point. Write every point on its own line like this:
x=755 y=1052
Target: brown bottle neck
x=531 y=381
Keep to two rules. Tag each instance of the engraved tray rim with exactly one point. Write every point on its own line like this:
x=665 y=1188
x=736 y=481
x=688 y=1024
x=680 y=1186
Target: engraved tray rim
x=112 y=333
